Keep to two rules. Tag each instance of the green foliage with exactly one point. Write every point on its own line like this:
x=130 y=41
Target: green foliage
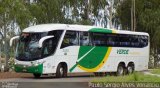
x=14 y=10
x=123 y=12
x=147 y=17
x=155 y=71
x=47 y=11
x=147 y=20
x=26 y=13
x=135 y=77
x=11 y=63
x=66 y=11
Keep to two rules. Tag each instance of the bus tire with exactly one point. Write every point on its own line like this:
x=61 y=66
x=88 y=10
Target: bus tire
x=37 y=75
x=61 y=71
x=120 y=70
x=130 y=68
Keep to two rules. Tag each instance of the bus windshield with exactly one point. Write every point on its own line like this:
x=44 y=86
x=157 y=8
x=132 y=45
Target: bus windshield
x=28 y=46
x=28 y=49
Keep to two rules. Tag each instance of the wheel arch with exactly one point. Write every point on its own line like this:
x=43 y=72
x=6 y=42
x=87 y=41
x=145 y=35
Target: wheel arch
x=64 y=64
x=122 y=63
x=121 y=68
x=131 y=63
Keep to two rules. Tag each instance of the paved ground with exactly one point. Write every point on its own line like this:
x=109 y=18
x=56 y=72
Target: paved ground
x=28 y=81
x=26 y=77
x=51 y=79
x=8 y=75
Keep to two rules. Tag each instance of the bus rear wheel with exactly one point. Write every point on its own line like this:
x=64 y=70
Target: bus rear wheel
x=120 y=70
x=61 y=71
x=130 y=68
x=37 y=75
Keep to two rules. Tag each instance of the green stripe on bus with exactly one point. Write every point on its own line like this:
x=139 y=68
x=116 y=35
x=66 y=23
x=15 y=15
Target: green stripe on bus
x=73 y=67
x=100 y=30
x=83 y=51
x=30 y=69
x=92 y=59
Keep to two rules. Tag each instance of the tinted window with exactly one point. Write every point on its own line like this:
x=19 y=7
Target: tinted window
x=99 y=39
x=50 y=45
x=70 y=39
x=119 y=40
x=84 y=39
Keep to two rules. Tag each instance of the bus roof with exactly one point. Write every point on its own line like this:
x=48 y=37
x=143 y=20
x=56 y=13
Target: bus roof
x=50 y=27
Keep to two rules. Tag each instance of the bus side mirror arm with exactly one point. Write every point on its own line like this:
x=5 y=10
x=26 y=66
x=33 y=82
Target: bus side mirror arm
x=43 y=39
x=13 y=38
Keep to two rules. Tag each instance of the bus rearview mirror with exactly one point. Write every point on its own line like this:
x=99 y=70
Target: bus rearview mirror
x=13 y=38
x=43 y=39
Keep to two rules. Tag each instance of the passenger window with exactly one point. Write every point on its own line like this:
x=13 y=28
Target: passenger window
x=70 y=39
x=48 y=47
x=84 y=38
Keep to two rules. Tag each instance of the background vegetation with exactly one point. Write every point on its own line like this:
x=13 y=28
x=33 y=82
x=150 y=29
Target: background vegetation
x=135 y=77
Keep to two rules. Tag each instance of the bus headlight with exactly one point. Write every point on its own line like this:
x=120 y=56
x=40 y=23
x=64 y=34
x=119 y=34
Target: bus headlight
x=15 y=63
x=24 y=66
x=36 y=64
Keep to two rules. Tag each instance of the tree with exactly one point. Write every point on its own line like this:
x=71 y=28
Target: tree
x=91 y=12
x=47 y=11
x=12 y=13
x=147 y=20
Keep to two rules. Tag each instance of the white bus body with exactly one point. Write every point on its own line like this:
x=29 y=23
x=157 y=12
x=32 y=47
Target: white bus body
x=60 y=49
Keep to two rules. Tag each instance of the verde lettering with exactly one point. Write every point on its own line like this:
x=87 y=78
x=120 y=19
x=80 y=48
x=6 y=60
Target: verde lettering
x=122 y=51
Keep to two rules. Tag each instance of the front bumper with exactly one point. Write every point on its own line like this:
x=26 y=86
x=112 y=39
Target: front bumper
x=29 y=69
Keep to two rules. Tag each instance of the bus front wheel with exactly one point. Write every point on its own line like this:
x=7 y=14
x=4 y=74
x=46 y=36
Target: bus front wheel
x=61 y=71
x=36 y=75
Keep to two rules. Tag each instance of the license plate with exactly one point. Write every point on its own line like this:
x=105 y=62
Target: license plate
x=24 y=70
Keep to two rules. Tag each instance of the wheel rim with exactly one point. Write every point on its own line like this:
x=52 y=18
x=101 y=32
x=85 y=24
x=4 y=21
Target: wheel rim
x=120 y=70
x=130 y=70
x=61 y=71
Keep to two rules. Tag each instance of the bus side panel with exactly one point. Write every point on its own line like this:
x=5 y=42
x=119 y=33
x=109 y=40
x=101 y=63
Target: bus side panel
x=143 y=59
x=139 y=56
x=91 y=58
x=68 y=55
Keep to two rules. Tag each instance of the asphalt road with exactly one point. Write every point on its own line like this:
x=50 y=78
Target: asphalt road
x=78 y=80
x=72 y=81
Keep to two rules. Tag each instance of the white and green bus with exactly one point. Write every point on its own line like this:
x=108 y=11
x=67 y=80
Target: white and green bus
x=61 y=48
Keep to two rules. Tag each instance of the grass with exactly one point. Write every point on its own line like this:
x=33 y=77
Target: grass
x=155 y=71
x=135 y=77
